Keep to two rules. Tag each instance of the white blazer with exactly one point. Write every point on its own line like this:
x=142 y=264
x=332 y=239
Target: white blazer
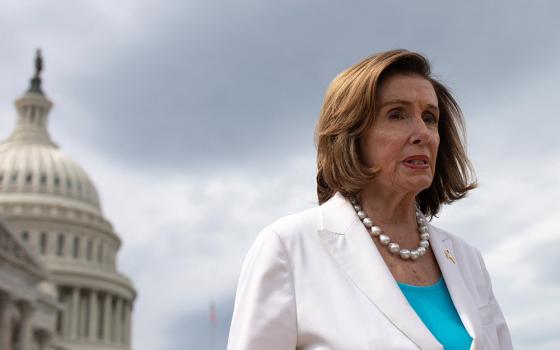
x=315 y=280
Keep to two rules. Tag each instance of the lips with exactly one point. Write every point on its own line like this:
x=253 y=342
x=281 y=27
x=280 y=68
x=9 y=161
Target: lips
x=417 y=162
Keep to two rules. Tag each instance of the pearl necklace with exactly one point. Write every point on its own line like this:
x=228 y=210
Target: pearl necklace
x=384 y=239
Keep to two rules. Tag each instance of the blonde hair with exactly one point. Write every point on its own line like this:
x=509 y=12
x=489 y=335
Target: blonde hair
x=349 y=109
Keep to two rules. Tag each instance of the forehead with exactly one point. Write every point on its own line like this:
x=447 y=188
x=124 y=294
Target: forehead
x=412 y=88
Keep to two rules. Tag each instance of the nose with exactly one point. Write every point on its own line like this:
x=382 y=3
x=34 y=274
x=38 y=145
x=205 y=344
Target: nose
x=420 y=132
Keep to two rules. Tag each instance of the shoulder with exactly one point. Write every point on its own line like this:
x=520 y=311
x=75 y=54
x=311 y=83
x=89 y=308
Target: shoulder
x=291 y=226
x=287 y=235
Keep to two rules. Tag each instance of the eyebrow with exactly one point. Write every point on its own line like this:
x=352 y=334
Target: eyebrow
x=408 y=103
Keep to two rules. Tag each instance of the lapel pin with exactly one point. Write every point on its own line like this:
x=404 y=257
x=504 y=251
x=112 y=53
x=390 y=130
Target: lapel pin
x=449 y=256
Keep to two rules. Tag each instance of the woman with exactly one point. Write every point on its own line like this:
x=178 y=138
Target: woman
x=365 y=269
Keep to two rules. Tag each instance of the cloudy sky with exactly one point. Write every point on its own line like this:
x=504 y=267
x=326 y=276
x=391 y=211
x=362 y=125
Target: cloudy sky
x=195 y=120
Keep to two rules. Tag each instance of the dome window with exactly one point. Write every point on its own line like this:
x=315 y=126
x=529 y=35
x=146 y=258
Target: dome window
x=56 y=181
x=43 y=179
x=25 y=236
x=76 y=252
x=29 y=178
x=68 y=184
x=14 y=178
x=43 y=240
x=60 y=245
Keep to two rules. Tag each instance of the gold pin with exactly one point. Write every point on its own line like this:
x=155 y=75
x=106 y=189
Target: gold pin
x=449 y=256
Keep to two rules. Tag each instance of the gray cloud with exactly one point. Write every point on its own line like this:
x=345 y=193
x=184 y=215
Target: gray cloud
x=208 y=85
x=546 y=263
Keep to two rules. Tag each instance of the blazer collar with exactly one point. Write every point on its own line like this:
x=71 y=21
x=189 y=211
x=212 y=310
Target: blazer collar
x=346 y=239
x=450 y=265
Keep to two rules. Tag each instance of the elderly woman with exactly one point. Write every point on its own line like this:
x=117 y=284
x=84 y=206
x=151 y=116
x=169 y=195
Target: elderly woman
x=365 y=269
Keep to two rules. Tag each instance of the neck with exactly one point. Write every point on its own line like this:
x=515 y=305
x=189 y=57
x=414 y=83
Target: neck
x=389 y=207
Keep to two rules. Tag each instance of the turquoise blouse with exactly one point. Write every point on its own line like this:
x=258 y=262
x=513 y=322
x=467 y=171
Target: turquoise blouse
x=434 y=306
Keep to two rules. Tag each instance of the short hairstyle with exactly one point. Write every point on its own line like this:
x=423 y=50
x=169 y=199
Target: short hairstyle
x=349 y=109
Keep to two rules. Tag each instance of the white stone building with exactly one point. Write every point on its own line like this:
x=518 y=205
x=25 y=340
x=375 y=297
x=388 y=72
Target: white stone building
x=28 y=305
x=51 y=203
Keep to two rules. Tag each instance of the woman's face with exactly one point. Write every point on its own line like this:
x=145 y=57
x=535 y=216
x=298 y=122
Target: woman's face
x=403 y=140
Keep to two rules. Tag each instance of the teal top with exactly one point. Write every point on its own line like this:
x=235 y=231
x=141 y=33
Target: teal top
x=434 y=306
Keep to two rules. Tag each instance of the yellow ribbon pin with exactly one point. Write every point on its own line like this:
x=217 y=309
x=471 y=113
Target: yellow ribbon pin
x=449 y=256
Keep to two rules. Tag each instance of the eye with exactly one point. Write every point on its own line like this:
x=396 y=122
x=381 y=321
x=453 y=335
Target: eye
x=396 y=114
x=430 y=118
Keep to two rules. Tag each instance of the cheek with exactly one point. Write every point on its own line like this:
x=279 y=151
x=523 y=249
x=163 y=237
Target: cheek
x=389 y=155
x=371 y=150
x=383 y=148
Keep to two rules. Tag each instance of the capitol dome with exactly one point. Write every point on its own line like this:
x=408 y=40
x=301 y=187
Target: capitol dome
x=51 y=203
x=30 y=163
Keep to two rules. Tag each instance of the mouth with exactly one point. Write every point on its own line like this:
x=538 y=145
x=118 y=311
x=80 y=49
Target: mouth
x=417 y=162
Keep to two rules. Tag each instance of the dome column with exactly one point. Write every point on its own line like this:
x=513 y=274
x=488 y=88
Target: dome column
x=65 y=315
x=107 y=312
x=74 y=309
x=84 y=314
x=93 y=317
x=127 y=323
x=118 y=320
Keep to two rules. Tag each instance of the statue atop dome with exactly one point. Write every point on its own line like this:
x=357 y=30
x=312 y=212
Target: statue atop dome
x=36 y=80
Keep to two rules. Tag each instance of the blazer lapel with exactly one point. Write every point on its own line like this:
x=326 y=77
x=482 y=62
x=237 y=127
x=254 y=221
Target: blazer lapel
x=347 y=240
x=442 y=246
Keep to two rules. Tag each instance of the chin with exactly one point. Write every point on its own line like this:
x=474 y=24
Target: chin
x=420 y=185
